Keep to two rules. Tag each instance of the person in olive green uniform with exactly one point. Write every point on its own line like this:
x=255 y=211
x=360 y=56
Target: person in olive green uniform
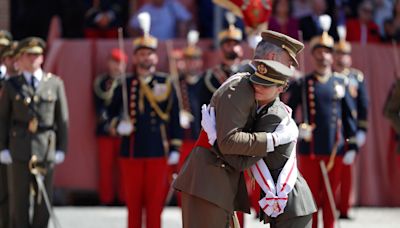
x=5 y=42
x=300 y=204
x=33 y=123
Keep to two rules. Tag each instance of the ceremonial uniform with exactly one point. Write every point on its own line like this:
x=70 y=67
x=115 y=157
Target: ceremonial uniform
x=5 y=40
x=108 y=143
x=326 y=110
x=33 y=122
x=358 y=102
x=191 y=104
x=280 y=173
x=154 y=112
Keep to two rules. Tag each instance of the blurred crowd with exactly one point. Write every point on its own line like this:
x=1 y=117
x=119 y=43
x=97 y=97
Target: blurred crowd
x=368 y=20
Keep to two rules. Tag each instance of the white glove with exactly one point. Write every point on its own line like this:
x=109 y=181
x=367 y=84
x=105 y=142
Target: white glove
x=59 y=157
x=360 y=138
x=285 y=132
x=185 y=118
x=208 y=123
x=349 y=157
x=5 y=157
x=173 y=158
x=124 y=128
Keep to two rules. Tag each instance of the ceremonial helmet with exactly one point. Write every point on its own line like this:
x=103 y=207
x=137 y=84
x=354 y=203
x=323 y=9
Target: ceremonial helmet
x=342 y=46
x=192 y=50
x=146 y=40
x=323 y=40
x=232 y=33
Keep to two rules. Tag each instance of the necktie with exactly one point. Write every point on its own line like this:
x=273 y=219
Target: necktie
x=33 y=82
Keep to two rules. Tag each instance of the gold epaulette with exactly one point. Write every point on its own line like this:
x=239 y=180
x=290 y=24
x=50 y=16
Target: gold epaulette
x=105 y=95
x=359 y=74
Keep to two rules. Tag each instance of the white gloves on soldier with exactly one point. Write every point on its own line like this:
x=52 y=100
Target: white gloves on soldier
x=349 y=157
x=360 y=138
x=124 y=128
x=286 y=132
x=5 y=157
x=173 y=158
x=208 y=123
x=59 y=157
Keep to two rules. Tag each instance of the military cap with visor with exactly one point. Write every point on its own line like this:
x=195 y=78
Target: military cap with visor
x=290 y=45
x=9 y=51
x=270 y=73
x=31 y=45
x=5 y=37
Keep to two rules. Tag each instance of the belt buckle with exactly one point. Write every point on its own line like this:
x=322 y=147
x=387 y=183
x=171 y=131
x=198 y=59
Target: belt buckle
x=33 y=125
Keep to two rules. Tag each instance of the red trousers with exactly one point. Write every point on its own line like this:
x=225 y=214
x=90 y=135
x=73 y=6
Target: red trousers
x=92 y=33
x=310 y=168
x=143 y=181
x=346 y=189
x=109 y=170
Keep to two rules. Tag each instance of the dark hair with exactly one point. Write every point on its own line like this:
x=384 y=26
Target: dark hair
x=275 y=5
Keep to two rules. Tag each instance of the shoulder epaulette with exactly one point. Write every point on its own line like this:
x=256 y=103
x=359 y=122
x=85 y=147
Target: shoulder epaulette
x=359 y=74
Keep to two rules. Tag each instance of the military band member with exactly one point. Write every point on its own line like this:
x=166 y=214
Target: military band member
x=190 y=86
x=325 y=125
x=359 y=102
x=33 y=123
x=5 y=43
x=156 y=138
x=108 y=142
x=292 y=205
x=232 y=52
x=206 y=177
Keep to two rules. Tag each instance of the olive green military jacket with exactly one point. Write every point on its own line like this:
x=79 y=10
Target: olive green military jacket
x=300 y=200
x=20 y=104
x=217 y=176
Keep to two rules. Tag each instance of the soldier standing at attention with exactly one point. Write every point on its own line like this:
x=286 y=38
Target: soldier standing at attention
x=358 y=102
x=190 y=86
x=108 y=142
x=33 y=125
x=152 y=135
x=5 y=42
x=232 y=52
x=325 y=129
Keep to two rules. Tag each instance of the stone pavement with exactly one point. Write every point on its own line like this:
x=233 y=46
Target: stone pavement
x=115 y=217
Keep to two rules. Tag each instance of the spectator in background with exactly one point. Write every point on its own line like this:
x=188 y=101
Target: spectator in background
x=310 y=26
x=392 y=25
x=301 y=8
x=363 y=29
x=282 y=20
x=169 y=19
x=383 y=11
x=104 y=17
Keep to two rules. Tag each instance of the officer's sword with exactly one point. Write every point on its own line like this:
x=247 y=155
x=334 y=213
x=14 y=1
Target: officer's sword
x=329 y=191
x=37 y=172
x=123 y=78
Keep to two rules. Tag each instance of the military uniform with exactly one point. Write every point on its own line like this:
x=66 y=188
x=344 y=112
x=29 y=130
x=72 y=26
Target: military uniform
x=326 y=109
x=358 y=101
x=153 y=111
x=207 y=176
x=5 y=39
x=108 y=143
x=33 y=121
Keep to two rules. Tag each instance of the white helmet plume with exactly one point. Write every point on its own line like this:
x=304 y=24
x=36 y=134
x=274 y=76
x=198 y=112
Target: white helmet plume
x=145 y=22
x=341 y=29
x=230 y=17
x=193 y=37
x=325 y=22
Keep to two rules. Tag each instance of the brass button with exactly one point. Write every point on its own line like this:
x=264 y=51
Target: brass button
x=222 y=165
